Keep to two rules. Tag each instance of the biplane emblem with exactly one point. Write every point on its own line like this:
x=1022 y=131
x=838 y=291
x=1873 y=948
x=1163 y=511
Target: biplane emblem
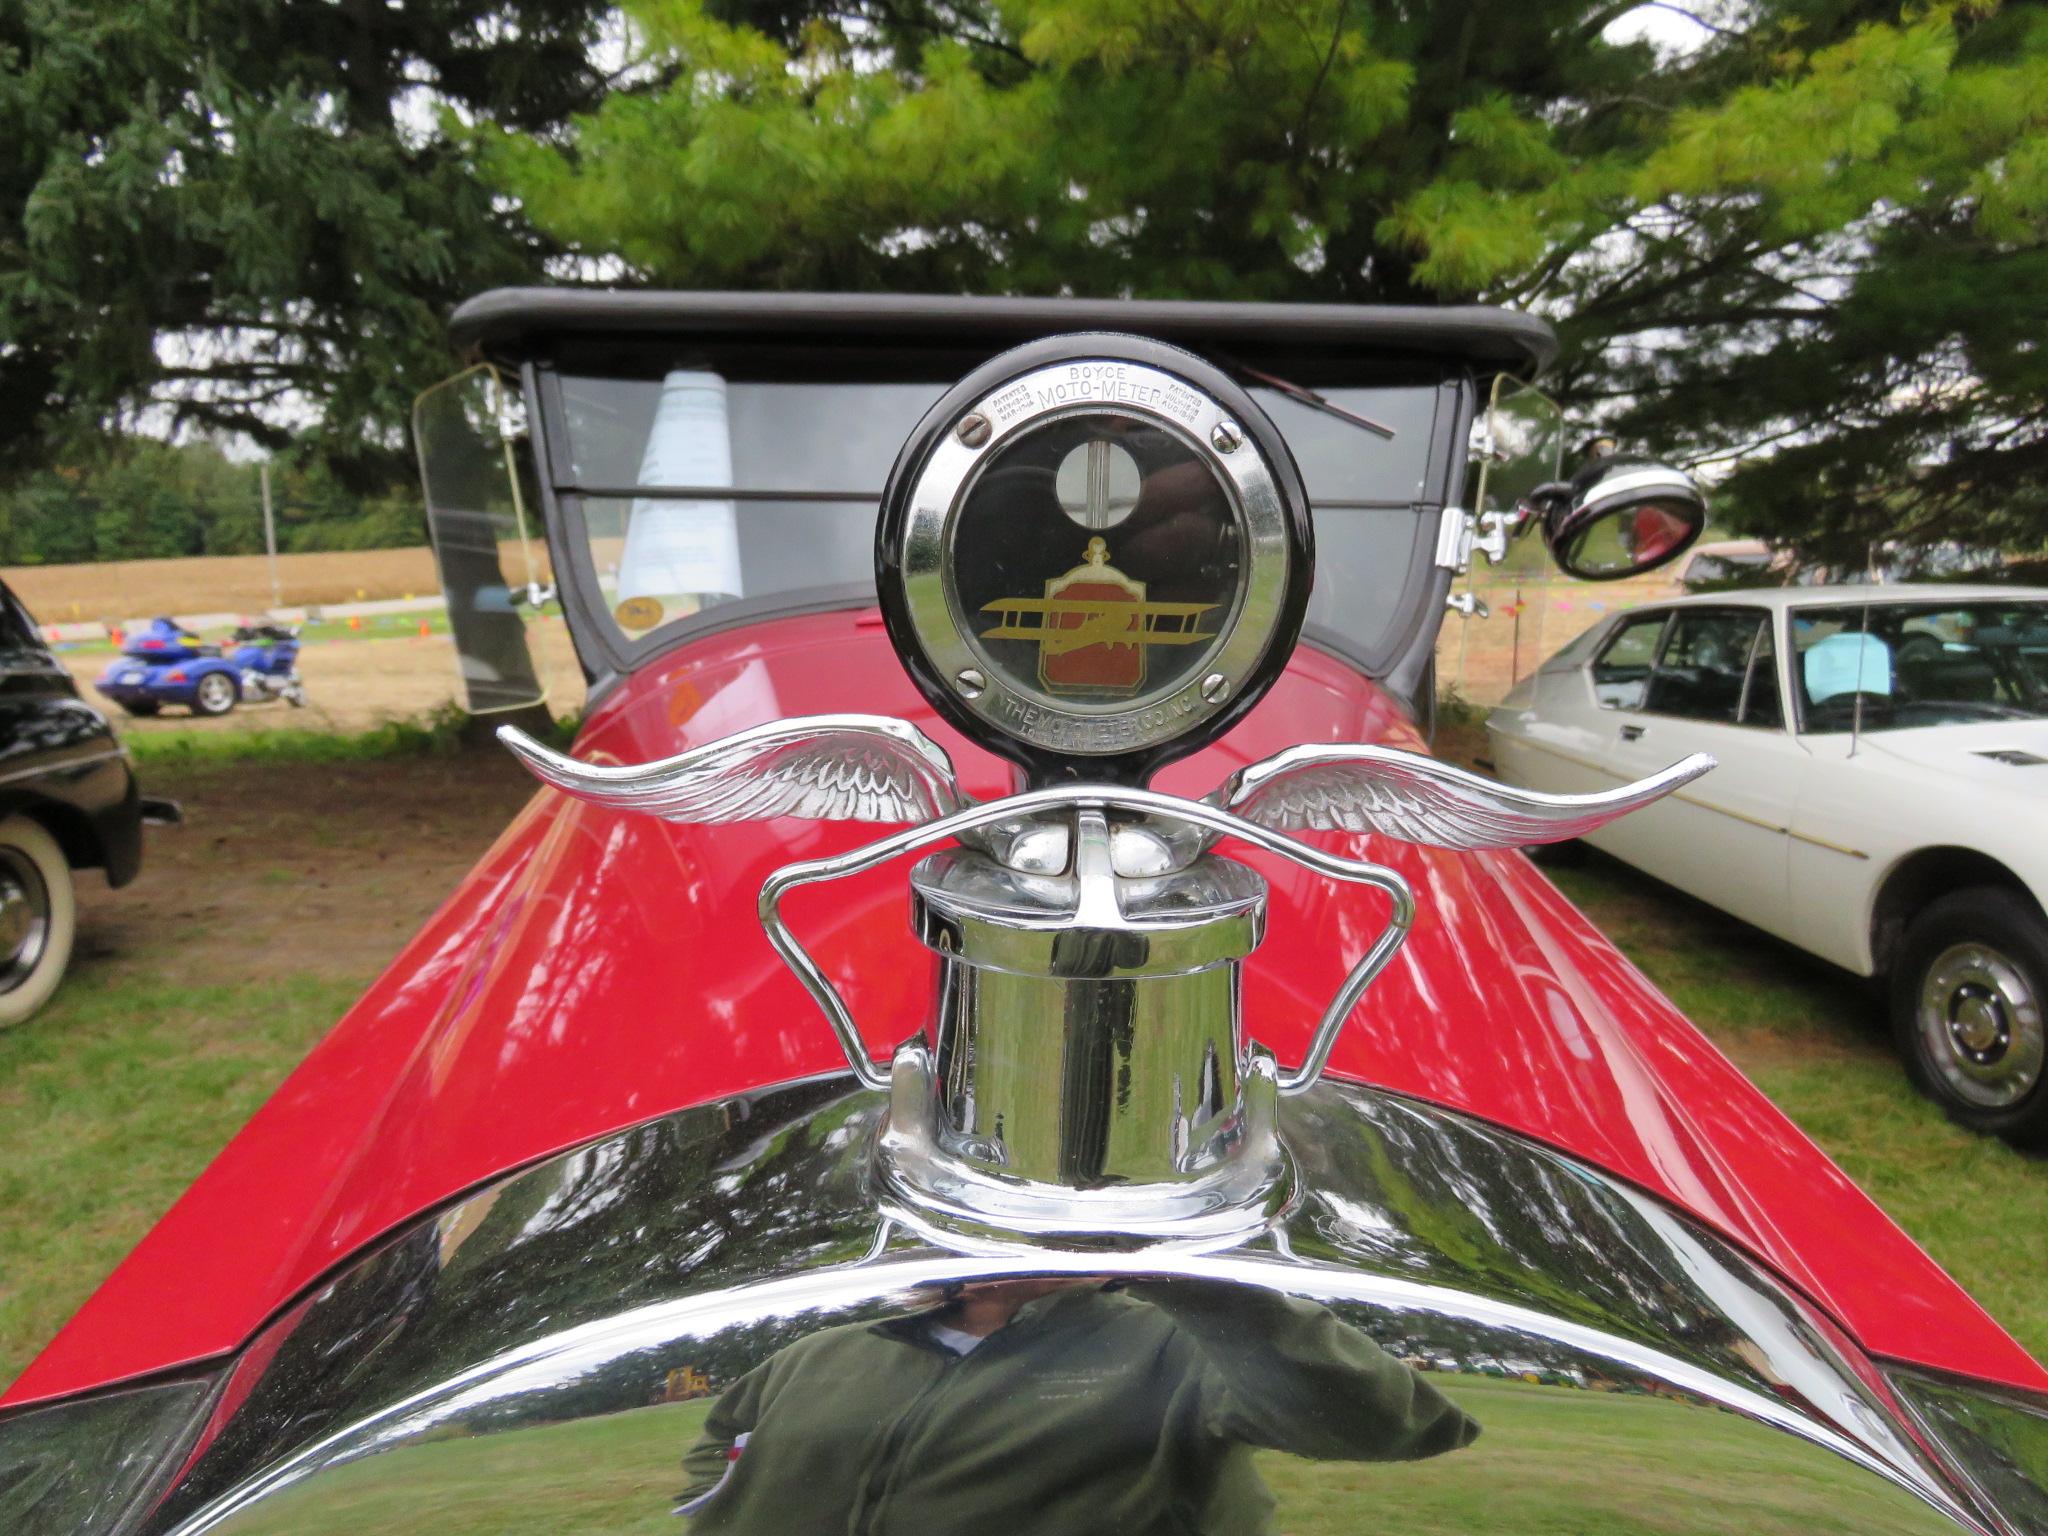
x=1093 y=627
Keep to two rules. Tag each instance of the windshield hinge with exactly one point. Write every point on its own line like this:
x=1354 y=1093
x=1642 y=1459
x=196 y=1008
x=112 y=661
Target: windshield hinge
x=1455 y=531
x=1484 y=444
x=1460 y=535
x=1470 y=604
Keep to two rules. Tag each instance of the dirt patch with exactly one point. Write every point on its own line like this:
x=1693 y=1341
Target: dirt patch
x=281 y=872
x=352 y=684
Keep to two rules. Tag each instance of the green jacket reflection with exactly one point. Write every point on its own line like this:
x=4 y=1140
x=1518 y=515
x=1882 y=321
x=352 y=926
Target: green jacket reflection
x=1132 y=1411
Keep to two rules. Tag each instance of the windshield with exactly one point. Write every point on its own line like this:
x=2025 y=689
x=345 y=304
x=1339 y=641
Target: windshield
x=702 y=486
x=1902 y=665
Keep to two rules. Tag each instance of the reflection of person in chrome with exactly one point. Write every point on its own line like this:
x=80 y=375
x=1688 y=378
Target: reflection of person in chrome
x=1059 y=1406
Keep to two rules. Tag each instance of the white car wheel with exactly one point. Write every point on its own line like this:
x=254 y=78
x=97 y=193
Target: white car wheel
x=38 y=917
x=1970 y=1007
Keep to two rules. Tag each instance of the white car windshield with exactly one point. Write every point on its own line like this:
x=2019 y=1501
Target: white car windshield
x=1898 y=666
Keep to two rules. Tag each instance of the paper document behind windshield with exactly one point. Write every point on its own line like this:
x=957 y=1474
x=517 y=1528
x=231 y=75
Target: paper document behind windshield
x=684 y=548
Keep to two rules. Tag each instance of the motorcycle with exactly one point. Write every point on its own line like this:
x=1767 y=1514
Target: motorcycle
x=268 y=655
x=168 y=664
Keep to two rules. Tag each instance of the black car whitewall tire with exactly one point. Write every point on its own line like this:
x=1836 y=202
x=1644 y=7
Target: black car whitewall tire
x=214 y=694
x=1969 y=1000
x=38 y=917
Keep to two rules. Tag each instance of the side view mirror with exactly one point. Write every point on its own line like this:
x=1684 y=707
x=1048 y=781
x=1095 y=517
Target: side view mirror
x=1617 y=517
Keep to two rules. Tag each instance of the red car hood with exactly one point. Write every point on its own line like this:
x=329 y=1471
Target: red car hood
x=597 y=970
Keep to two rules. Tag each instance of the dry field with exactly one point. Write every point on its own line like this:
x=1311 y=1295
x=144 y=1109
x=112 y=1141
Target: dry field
x=357 y=682
x=127 y=589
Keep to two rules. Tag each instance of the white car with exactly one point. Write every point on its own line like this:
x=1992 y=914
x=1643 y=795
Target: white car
x=1881 y=799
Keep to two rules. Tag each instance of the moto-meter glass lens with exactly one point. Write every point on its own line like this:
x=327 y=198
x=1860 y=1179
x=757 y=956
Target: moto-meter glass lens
x=1098 y=561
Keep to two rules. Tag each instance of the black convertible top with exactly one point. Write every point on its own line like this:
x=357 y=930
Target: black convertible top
x=510 y=324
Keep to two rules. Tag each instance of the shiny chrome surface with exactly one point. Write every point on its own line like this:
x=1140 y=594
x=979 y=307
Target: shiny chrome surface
x=1166 y=810
x=1191 y=1185
x=1356 y=788
x=819 y=768
x=1081 y=386
x=1998 y=1440
x=1981 y=1025
x=24 y=918
x=540 y=1356
x=95 y=1467
x=1086 y=1060
x=1089 y=921
x=1596 y=507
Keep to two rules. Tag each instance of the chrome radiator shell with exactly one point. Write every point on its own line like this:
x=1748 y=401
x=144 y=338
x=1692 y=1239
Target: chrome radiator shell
x=545 y=1349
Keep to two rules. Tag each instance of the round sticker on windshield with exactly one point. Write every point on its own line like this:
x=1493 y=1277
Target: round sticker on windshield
x=638 y=613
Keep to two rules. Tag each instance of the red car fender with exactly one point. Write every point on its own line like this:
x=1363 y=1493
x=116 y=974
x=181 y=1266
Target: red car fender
x=597 y=970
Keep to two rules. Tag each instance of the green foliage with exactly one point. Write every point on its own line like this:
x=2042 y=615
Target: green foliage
x=1811 y=250
x=141 y=499
x=237 y=212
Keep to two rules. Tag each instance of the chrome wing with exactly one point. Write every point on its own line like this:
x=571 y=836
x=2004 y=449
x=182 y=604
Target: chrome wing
x=817 y=767
x=1420 y=800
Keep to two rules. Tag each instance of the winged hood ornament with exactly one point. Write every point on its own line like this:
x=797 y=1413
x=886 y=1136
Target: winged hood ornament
x=815 y=768
x=1416 y=799
x=873 y=768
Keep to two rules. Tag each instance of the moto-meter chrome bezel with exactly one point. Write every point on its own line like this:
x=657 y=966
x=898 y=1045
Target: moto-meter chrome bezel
x=1080 y=386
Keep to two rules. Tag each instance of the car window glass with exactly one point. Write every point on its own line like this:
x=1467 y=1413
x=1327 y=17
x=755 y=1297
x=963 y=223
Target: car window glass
x=1621 y=676
x=1762 y=704
x=1899 y=666
x=1701 y=672
x=1847 y=661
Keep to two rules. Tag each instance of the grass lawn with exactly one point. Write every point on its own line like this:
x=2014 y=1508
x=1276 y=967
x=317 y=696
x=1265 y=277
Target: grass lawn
x=307 y=861
x=1667 y=1469
x=194 y=991
x=1815 y=1040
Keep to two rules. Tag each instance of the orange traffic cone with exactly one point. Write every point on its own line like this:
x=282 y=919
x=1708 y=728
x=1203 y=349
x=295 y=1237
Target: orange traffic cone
x=426 y=629
x=355 y=621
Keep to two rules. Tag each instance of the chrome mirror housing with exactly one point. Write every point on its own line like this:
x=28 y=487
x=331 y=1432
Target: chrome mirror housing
x=1619 y=517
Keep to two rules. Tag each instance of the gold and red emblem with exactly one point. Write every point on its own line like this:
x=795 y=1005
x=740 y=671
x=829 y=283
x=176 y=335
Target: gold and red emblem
x=1093 y=626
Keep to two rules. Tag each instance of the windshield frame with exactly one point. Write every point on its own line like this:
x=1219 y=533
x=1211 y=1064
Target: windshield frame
x=1401 y=661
